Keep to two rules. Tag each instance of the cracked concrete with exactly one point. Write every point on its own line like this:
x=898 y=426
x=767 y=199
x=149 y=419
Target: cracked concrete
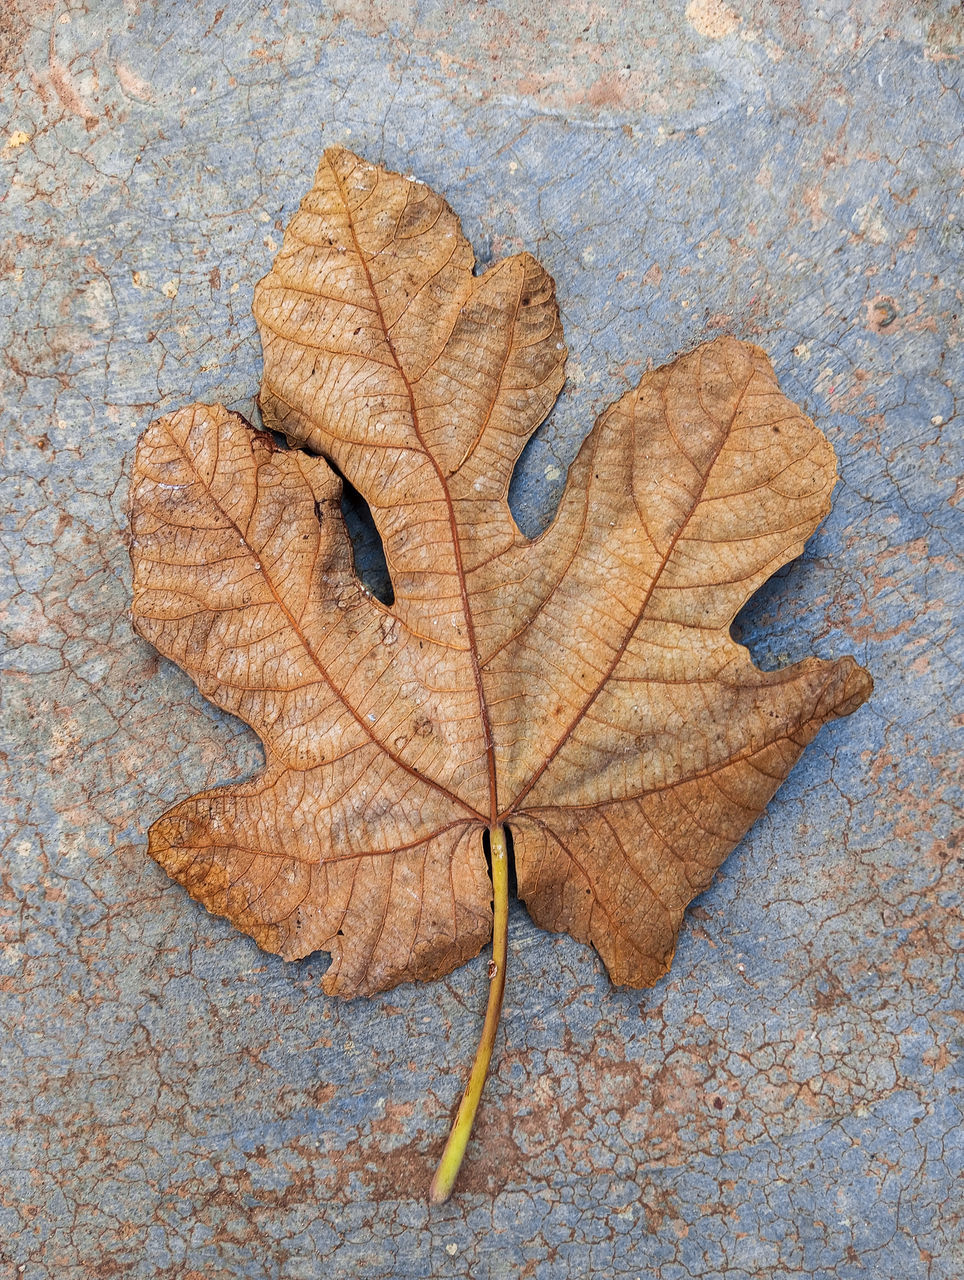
x=786 y=1103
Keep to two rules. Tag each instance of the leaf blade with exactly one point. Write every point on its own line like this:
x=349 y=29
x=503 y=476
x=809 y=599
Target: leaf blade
x=288 y=861
x=671 y=840
x=582 y=686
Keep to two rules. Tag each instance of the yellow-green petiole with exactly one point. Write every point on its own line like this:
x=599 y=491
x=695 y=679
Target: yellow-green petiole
x=451 y=1161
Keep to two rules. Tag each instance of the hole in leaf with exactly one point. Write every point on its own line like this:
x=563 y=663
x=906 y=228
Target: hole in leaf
x=367 y=550
x=510 y=851
x=772 y=623
x=368 y=553
x=541 y=472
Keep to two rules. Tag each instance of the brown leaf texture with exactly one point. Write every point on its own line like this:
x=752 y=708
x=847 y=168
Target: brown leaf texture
x=581 y=688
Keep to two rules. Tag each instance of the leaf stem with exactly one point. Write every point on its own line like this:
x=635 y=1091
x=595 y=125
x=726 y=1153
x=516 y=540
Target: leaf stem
x=458 y=1139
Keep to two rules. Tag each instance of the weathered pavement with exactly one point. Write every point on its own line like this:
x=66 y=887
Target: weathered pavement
x=786 y=1103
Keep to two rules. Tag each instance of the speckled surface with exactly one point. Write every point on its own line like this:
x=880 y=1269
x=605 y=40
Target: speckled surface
x=787 y=1102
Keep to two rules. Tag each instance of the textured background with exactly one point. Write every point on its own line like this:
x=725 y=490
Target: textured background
x=787 y=1102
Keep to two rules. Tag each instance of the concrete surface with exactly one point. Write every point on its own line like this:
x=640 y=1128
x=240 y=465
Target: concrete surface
x=787 y=1102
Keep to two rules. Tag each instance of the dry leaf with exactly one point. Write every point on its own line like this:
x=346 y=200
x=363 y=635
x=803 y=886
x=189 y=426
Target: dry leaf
x=581 y=689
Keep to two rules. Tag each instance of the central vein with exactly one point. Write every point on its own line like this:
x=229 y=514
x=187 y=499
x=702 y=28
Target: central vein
x=453 y=524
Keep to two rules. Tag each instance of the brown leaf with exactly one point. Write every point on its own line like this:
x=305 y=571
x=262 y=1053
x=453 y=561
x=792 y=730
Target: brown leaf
x=581 y=688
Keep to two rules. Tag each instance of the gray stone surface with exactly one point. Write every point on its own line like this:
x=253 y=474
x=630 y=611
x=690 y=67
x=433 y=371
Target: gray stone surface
x=786 y=1103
